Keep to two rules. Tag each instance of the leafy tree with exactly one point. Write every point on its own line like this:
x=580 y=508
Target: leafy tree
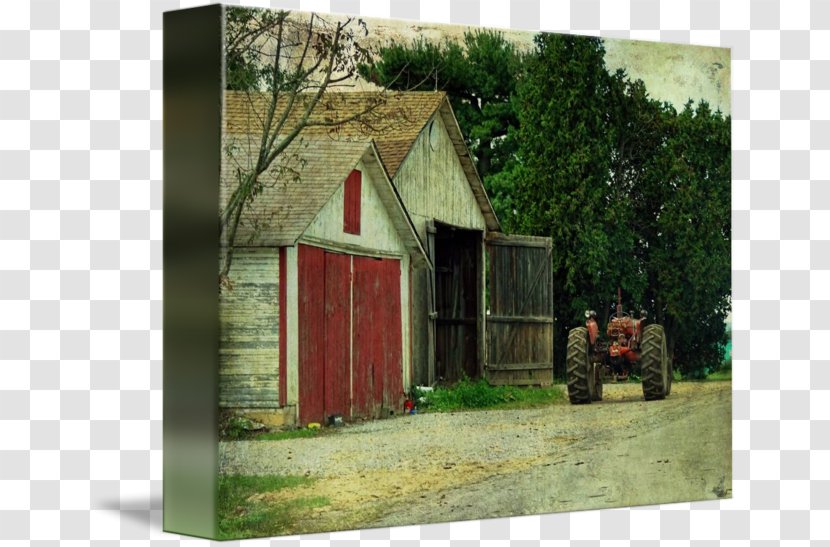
x=633 y=193
x=689 y=258
x=288 y=62
x=673 y=170
x=640 y=127
x=480 y=76
x=561 y=180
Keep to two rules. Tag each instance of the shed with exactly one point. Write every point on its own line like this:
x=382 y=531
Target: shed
x=432 y=216
x=316 y=323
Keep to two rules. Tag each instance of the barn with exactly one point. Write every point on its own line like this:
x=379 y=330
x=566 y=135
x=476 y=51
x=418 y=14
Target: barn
x=381 y=265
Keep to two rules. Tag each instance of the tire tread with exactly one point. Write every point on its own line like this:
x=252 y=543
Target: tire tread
x=576 y=361
x=651 y=363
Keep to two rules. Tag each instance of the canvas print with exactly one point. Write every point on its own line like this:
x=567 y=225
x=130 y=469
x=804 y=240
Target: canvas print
x=467 y=273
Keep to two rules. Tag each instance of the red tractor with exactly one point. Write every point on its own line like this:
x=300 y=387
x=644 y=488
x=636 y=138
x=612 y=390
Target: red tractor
x=591 y=359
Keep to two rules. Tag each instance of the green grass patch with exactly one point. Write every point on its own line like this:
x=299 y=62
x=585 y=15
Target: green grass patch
x=468 y=395
x=720 y=375
x=240 y=517
x=289 y=434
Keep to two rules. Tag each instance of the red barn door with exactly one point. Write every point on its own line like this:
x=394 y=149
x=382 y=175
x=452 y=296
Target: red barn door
x=337 y=334
x=350 y=348
x=393 y=395
x=311 y=330
x=376 y=363
x=367 y=363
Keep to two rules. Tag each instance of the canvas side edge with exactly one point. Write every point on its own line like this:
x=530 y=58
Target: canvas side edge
x=192 y=157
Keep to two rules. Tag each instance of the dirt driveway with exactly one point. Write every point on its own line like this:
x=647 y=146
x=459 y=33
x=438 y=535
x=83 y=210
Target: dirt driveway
x=443 y=467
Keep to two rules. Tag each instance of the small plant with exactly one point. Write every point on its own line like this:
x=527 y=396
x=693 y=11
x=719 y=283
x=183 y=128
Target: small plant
x=723 y=372
x=479 y=394
x=288 y=434
x=420 y=396
x=238 y=427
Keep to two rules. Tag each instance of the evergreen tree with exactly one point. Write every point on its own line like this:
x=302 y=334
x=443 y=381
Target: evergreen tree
x=561 y=180
x=634 y=195
x=480 y=77
x=689 y=265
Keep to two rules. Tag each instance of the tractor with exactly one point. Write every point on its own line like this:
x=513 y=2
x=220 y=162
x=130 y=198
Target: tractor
x=592 y=359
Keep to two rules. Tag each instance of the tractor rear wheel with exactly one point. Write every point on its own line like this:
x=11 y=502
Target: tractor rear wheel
x=578 y=367
x=654 y=363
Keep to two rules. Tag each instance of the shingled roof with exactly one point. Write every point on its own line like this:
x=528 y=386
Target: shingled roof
x=312 y=171
x=393 y=121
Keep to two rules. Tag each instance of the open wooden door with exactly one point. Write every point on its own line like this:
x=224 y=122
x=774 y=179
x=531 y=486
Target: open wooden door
x=519 y=327
x=432 y=314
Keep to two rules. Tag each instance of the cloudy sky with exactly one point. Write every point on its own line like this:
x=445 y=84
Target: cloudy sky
x=671 y=72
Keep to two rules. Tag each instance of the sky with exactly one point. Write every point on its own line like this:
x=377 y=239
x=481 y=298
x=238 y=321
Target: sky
x=671 y=72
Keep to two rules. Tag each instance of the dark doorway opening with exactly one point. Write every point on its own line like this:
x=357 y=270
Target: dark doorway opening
x=457 y=302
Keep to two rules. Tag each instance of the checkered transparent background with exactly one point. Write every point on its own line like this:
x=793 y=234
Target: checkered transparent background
x=80 y=269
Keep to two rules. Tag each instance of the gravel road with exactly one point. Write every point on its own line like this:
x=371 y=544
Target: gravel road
x=442 y=467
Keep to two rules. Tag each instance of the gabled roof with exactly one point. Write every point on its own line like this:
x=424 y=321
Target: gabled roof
x=312 y=172
x=394 y=122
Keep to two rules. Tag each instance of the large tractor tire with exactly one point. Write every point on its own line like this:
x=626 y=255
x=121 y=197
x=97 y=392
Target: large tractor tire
x=654 y=363
x=579 y=368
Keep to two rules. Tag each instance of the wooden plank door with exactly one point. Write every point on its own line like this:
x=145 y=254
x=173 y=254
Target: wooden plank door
x=367 y=352
x=520 y=324
x=311 y=324
x=350 y=337
x=457 y=263
x=432 y=314
x=376 y=354
x=337 y=374
x=393 y=394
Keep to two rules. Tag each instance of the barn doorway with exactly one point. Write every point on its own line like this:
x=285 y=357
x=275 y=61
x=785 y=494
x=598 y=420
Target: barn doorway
x=457 y=268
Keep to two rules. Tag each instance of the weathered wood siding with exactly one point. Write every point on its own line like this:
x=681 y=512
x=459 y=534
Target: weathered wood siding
x=432 y=183
x=377 y=233
x=421 y=375
x=249 y=332
x=520 y=324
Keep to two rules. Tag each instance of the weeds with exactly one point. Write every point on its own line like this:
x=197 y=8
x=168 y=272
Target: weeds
x=238 y=427
x=720 y=375
x=289 y=434
x=468 y=394
x=239 y=516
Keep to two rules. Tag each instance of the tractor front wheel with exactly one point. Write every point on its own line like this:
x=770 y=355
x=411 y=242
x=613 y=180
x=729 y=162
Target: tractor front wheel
x=579 y=368
x=654 y=363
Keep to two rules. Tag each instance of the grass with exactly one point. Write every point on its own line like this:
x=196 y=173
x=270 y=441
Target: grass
x=720 y=375
x=289 y=434
x=468 y=394
x=240 y=517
